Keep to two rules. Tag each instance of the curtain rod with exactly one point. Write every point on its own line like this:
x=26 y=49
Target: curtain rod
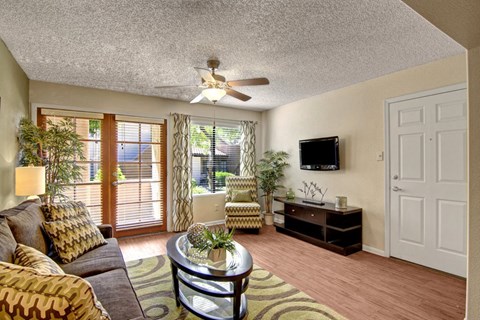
x=213 y=118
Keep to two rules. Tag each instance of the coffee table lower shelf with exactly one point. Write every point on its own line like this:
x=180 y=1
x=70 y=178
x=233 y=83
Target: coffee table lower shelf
x=208 y=299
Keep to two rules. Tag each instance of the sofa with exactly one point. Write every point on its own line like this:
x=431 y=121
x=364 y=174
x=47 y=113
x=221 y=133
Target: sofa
x=102 y=267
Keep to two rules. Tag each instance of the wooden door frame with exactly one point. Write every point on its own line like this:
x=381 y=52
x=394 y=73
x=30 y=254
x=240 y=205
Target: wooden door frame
x=387 y=190
x=108 y=215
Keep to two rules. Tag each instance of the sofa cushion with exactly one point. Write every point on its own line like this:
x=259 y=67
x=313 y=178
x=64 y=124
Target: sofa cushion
x=64 y=210
x=7 y=242
x=101 y=259
x=28 y=294
x=32 y=258
x=115 y=291
x=74 y=236
x=25 y=221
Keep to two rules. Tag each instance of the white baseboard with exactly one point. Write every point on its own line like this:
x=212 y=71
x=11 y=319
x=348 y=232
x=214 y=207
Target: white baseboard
x=373 y=250
x=214 y=223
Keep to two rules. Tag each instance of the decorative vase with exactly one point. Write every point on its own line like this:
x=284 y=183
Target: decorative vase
x=290 y=195
x=216 y=255
x=268 y=218
x=341 y=202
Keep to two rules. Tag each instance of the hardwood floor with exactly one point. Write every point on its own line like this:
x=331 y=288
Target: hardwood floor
x=359 y=286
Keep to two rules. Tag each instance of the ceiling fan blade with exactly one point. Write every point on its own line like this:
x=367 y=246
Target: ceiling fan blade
x=205 y=74
x=173 y=86
x=197 y=99
x=238 y=95
x=248 y=82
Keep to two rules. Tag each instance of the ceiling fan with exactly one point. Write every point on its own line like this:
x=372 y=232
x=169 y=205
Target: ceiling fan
x=216 y=87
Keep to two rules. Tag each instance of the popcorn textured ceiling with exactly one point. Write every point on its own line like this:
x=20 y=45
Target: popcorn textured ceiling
x=304 y=47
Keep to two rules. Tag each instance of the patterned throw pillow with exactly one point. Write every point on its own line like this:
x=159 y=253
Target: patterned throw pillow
x=73 y=237
x=241 y=196
x=28 y=294
x=64 y=210
x=26 y=256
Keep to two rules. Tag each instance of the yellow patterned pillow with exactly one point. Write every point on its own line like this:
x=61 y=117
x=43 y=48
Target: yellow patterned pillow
x=28 y=294
x=64 y=210
x=26 y=256
x=73 y=237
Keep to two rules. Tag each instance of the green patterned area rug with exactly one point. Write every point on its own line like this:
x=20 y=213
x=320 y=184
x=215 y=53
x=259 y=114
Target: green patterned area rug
x=269 y=297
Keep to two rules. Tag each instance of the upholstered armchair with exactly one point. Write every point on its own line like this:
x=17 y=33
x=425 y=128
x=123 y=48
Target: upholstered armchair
x=242 y=211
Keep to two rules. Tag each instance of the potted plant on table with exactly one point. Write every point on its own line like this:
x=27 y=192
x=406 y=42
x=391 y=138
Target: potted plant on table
x=217 y=243
x=270 y=172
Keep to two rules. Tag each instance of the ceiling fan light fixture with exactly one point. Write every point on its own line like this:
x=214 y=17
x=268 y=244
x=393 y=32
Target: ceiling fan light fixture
x=214 y=94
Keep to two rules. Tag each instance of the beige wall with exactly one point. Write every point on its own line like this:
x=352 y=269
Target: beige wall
x=13 y=106
x=473 y=271
x=460 y=20
x=356 y=115
x=87 y=99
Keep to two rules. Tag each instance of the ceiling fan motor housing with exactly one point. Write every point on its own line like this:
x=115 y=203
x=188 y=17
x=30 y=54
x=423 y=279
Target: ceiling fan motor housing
x=213 y=63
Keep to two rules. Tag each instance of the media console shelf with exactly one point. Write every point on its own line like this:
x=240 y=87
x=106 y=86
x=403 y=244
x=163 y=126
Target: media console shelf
x=338 y=230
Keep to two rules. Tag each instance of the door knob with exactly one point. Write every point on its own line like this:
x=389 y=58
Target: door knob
x=395 y=188
x=395 y=177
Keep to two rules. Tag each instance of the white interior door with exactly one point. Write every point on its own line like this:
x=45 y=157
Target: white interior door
x=428 y=180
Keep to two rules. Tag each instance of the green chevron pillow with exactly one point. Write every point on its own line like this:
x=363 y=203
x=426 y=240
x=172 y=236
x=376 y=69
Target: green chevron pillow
x=73 y=237
x=27 y=294
x=26 y=256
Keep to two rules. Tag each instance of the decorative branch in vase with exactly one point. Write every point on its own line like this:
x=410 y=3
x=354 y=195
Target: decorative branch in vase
x=311 y=190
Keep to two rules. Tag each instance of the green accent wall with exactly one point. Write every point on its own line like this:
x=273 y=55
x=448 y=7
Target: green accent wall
x=14 y=104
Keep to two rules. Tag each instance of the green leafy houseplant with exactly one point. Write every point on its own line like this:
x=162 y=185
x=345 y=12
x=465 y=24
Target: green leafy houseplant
x=57 y=148
x=217 y=239
x=269 y=173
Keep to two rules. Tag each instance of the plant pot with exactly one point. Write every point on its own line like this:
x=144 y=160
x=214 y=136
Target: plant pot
x=269 y=219
x=217 y=255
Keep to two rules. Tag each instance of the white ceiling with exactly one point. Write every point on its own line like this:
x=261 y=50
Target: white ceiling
x=304 y=47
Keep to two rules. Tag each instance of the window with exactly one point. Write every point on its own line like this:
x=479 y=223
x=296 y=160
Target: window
x=215 y=154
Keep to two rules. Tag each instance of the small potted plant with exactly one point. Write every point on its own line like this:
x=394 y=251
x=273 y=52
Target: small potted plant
x=217 y=243
x=270 y=172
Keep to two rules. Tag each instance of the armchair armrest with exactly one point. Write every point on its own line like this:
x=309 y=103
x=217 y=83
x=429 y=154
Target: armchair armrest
x=106 y=230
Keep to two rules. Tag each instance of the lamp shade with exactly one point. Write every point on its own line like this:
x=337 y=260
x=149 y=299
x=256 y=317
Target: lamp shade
x=213 y=94
x=29 y=181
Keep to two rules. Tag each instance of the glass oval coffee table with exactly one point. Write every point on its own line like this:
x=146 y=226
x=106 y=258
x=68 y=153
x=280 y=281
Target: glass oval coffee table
x=207 y=289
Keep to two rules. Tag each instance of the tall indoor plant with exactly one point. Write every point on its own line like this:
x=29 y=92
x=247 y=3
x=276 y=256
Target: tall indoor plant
x=269 y=173
x=56 y=147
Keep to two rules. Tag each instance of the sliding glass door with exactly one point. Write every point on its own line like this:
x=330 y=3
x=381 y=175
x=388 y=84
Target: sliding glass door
x=124 y=172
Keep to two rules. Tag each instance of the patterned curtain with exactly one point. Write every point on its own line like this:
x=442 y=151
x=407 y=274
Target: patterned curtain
x=247 y=148
x=182 y=213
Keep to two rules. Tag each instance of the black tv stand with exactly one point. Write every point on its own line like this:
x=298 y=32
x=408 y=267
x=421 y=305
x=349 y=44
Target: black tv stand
x=338 y=230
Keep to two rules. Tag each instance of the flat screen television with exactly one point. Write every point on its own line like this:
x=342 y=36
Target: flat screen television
x=319 y=154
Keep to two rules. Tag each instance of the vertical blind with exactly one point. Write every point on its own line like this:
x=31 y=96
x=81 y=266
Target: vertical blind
x=215 y=154
x=88 y=188
x=140 y=176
